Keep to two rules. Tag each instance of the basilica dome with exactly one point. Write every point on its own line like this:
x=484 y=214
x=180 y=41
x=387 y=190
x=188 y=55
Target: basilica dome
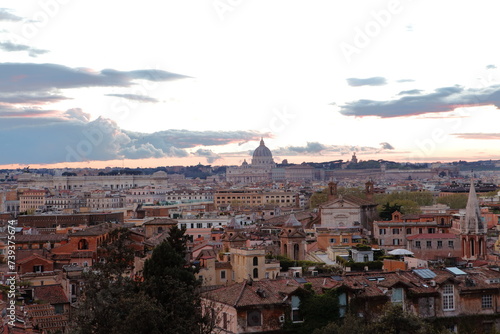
x=262 y=155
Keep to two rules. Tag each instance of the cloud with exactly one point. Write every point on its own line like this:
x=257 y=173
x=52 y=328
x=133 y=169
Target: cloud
x=441 y=100
x=43 y=136
x=208 y=154
x=31 y=77
x=410 y=92
x=31 y=98
x=386 y=146
x=13 y=47
x=6 y=15
x=309 y=148
x=374 y=81
x=405 y=80
x=479 y=136
x=135 y=97
x=490 y=67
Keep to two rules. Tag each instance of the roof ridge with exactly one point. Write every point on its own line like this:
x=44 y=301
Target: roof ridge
x=241 y=293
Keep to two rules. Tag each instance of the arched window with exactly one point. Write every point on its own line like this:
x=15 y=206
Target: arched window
x=83 y=244
x=296 y=252
x=255 y=273
x=255 y=261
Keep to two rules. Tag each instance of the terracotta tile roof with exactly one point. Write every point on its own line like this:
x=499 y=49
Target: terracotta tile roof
x=223 y=265
x=82 y=254
x=96 y=230
x=41 y=238
x=32 y=257
x=53 y=294
x=264 y=292
x=161 y=221
x=300 y=216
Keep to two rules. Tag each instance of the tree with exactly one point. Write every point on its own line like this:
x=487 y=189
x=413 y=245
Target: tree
x=317 y=310
x=103 y=306
x=170 y=281
x=350 y=324
x=165 y=301
x=454 y=201
x=394 y=320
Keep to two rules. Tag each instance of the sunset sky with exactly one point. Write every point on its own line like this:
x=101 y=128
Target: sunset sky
x=155 y=83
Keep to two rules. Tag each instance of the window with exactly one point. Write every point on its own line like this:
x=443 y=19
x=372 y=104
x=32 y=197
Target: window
x=417 y=244
x=397 y=295
x=345 y=240
x=254 y=318
x=199 y=225
x=224 y=320
x=37 y=269
x=295 y=309
x=395 y=242
x=487 y=301
x=448 y=298
x=223 y=274
x=395 y=231
x=255 y=273
x=342 y=304
x=255 y=261
x=408 y=231
x=382 y=231
x=429 y=244
x=332 y=240
x=450 y=243
x=440 y=244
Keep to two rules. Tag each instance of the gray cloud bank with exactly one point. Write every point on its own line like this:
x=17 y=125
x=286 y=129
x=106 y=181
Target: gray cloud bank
x=73 y=138
x=413 y=103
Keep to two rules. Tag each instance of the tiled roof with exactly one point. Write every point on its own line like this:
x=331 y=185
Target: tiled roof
x=41 y=238
x=32 y=257
x=264 y=292
x=161 y=221
x=82 y=254
x=280 y=220
x=52 y=294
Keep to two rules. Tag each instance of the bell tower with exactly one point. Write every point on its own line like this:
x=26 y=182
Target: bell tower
x=472 y=228
x=293 y=239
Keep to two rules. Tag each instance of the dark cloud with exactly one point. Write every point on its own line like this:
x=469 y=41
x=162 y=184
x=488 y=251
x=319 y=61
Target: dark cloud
x=374 y=81
x=135 y=97
x=41 y=136
x=208 y=154
x=441 y=100
x=410 y=92
x=6 y=15
x=30 y=77
x=490 y=67
x=13 y=47
x=386 y=146
x=480 y=136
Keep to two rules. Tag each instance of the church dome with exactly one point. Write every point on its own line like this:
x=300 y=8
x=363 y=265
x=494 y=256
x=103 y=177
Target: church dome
x=262 y=155
x=262 y=150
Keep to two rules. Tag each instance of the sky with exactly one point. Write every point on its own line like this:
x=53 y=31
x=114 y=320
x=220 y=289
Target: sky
x=155 y=83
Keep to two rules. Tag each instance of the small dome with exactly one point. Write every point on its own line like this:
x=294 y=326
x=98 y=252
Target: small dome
x=292 y=222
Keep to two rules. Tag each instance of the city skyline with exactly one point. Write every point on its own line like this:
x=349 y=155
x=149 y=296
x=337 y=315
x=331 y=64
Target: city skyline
x=171 y=83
